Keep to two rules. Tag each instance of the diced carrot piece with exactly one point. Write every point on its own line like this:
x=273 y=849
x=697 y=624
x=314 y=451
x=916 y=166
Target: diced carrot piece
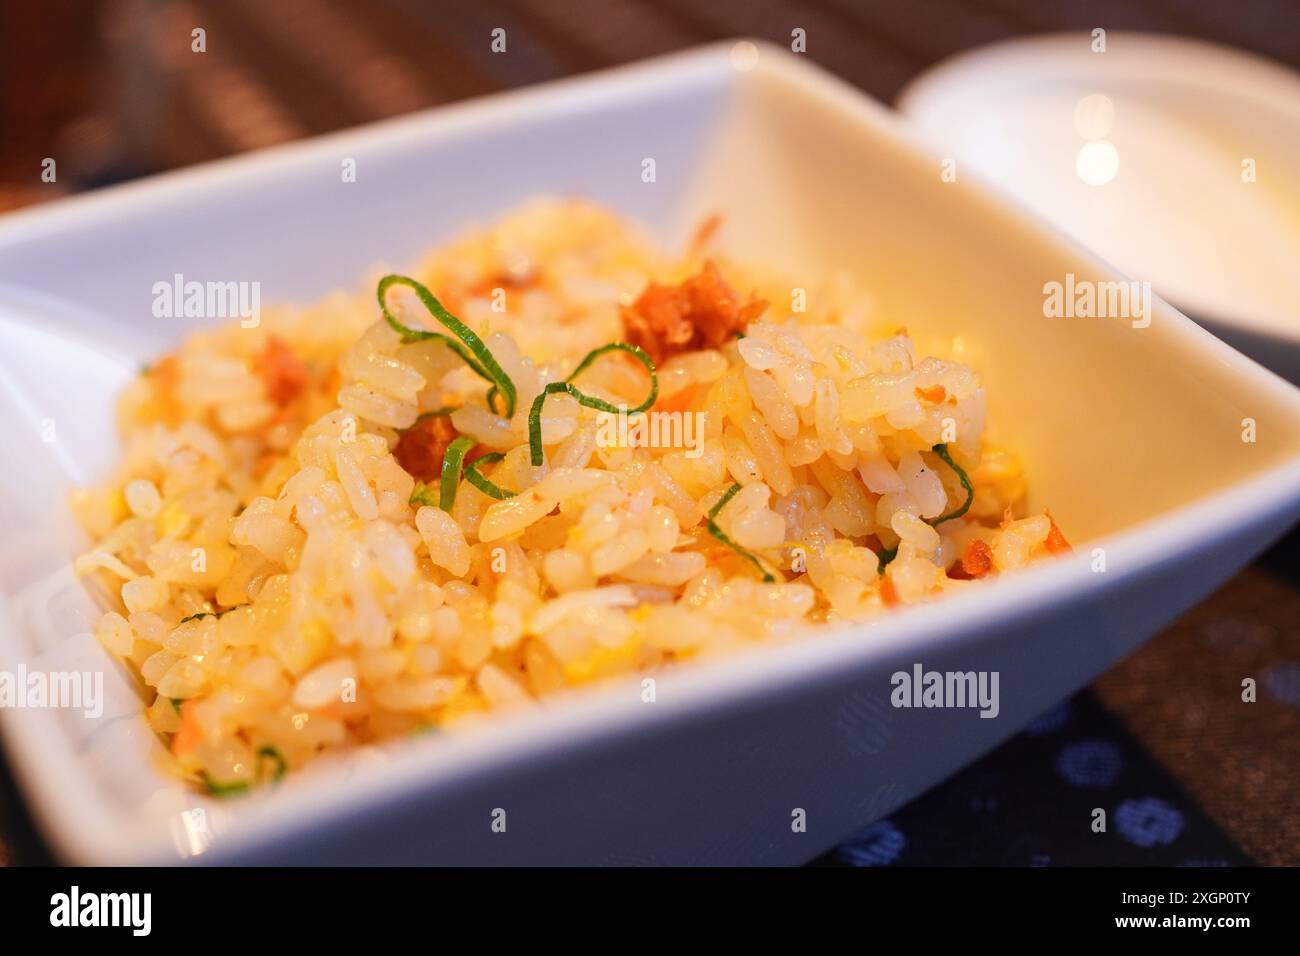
x=934 y=394
x=978 y=559
x=888 y=594
x=1056 y=542
x=189 y=735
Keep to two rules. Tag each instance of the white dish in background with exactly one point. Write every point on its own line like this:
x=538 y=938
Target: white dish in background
x=1138 y=152
x=1131 y=436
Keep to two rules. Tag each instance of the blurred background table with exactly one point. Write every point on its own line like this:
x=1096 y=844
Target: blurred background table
x=1192 y=775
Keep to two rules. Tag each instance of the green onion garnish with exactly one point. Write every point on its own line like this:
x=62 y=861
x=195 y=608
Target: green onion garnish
x=884 y=557
x=535 y=416
x=942 y=452
x=267 y=752
x=450 y=479
x=202 y=614
x=473 y=476
x=222 y=789
x=264 y=753
x=631 y=350
x=421 y=494
x=721 y=535
x=589 y=401
x=463 y=341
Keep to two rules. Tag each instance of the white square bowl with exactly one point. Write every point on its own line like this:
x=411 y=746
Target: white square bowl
x=1132 y=436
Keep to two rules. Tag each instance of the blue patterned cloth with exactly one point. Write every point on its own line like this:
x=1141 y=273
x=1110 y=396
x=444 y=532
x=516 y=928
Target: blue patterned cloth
x=1031 y=803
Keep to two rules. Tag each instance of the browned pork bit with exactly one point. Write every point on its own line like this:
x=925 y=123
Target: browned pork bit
x=421 y=448
x=701 y=312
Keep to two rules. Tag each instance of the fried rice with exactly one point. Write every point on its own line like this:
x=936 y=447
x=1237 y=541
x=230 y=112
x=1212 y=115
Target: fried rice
x=339 y=528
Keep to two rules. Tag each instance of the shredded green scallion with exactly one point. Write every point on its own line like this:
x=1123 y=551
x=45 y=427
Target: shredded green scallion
x=475 y=478
x=267 y=752
x=264 y=753
x=722 y=536
x=884 y=557
x=588 y=401
x=421 y=495
x=203 y=614
x=453 y=462
x=450 y=480
x=942 y=451
x=222 y=789
x=463 y=340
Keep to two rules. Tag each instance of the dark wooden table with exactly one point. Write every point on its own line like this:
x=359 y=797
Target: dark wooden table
x=113 y=91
